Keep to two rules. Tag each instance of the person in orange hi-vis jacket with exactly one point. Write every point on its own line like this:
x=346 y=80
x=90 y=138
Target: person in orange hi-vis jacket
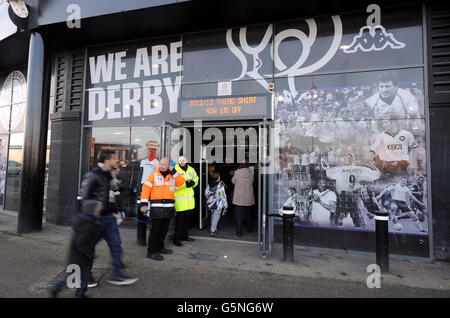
x=159 y=189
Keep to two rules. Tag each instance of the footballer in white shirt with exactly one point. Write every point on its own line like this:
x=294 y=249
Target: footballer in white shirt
x=392 y=148
x=323 y=207
x=391 y=98
x=401 y=198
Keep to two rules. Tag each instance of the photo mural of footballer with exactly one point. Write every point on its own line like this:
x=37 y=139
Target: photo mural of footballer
x=348 y=152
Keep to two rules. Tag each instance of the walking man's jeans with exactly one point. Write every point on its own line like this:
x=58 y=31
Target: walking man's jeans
x=157 y=236
x=85 y=272
x=215 y=217
x=109 y=231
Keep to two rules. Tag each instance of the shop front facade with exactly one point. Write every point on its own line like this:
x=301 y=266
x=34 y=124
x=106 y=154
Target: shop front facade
x=331 y=111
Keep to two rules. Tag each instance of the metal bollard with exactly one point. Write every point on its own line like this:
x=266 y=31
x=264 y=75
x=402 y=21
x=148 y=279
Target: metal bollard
x=382 y=240
x=288 y=234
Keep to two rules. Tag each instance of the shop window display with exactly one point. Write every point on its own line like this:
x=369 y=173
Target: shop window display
x=138 y=150
x=350 y=149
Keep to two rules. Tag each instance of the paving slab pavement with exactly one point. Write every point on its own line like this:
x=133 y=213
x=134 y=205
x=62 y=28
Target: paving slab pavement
x=210 y=267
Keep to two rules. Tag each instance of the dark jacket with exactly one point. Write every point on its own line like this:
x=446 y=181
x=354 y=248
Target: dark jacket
x=82 y=245
x=95 y=189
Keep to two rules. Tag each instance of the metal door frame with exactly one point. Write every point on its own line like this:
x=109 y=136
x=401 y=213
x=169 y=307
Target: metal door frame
x=165 y=125
x=265 y=195
x=232 y=124
x=200 y=224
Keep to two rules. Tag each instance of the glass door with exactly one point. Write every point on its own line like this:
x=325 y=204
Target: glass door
x=3 y=167
x=205 y=170
x=168 y=140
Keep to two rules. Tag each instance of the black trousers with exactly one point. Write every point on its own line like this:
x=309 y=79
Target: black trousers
x=158 y=233
x=181 y=225
x=241 y=212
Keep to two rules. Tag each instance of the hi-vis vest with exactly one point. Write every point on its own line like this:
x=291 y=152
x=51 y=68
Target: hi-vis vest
x=157 y=188
x=184 y=197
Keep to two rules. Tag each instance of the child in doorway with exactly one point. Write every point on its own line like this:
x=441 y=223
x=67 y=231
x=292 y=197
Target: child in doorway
x=216 y=199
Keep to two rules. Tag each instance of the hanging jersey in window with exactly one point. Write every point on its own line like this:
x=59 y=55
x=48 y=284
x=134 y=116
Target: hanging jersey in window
x=148 y=167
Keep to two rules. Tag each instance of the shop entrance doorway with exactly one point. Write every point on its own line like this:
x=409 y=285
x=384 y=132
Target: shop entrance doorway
x=223 y=149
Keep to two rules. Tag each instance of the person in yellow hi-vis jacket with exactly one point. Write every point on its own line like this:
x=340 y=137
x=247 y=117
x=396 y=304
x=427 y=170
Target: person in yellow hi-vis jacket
x=184 y=201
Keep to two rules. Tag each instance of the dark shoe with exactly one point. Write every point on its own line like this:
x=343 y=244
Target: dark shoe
x=53 y=293
x=178 y=243
x=122 y=280
x=166 y=251
x=213 y=233
x=81 y=296
x=155 y=257
x=189 y=239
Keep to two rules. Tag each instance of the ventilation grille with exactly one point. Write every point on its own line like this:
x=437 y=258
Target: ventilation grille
x=59 y=85
x=76 y=82
x=439 y=46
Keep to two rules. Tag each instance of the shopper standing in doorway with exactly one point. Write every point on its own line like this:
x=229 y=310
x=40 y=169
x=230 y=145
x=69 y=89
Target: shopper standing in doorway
x=216 y=199
x=243 y=197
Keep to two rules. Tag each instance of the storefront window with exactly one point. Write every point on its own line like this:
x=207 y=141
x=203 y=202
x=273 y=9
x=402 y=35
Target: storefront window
x=133 y=147
x=3 y=166
x=14 y=172
x=47 y=161
x=12 y=117
x=345 y=94
x=350 y=145
x=5 y=113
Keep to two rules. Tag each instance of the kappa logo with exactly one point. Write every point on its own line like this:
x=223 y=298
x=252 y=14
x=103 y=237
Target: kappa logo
x=373 y=39
x=373 y=36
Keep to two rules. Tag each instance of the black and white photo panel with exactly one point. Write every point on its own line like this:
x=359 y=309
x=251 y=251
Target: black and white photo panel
x=352 y=145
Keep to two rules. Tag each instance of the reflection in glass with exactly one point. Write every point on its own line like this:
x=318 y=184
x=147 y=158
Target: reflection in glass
x=17 y=117
x=47 y=161
x=3 y=166
x=5 y=114
x=137 y=149
x=14 y=172
x=117 y=139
